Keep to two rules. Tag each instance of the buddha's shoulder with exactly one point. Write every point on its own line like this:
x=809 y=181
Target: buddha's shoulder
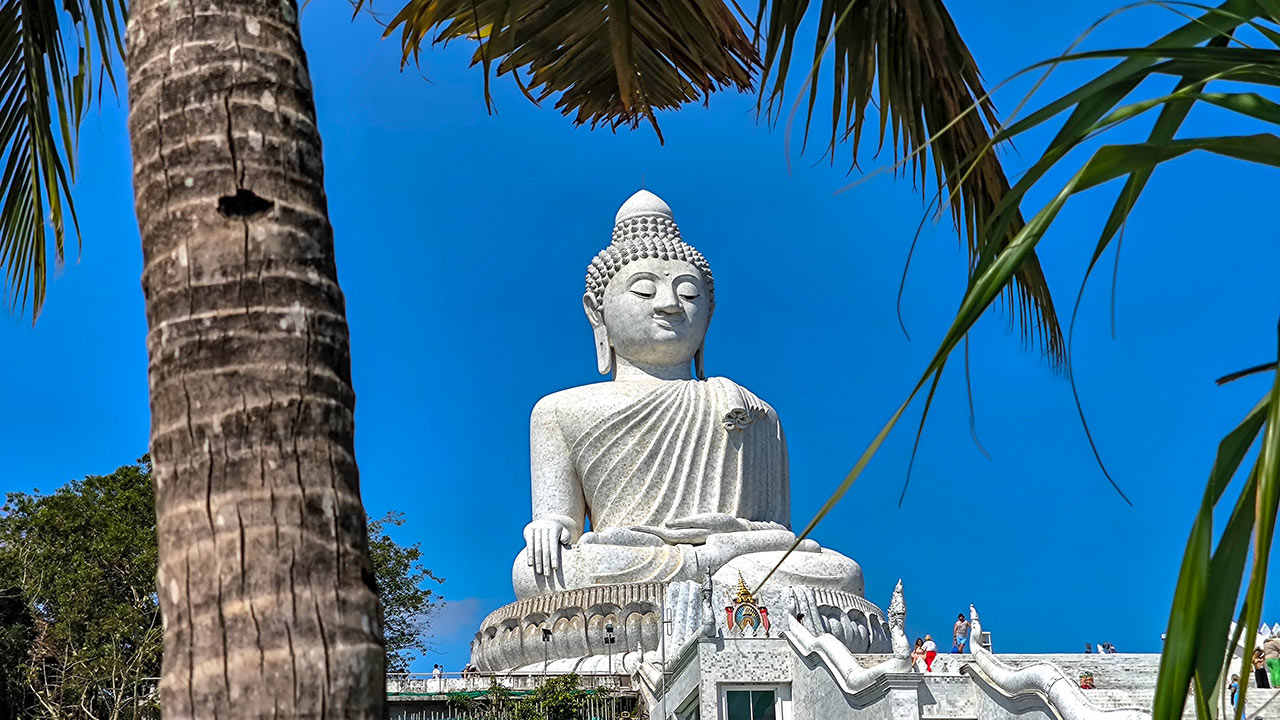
x=750 y=399
x=598 y=397
x=591 y=401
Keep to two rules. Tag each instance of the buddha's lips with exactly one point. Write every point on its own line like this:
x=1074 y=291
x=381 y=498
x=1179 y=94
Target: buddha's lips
x=665 y=323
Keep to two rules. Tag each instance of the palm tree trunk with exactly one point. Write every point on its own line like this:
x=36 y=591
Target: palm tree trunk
x=268 y=598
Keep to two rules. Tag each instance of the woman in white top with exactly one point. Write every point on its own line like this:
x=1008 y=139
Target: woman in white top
x=930 y=652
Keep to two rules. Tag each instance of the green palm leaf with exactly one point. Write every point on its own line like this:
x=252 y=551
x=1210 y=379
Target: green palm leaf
x=1197 y=54
x=1196 y=599
x=906 y=58
x=41 y=105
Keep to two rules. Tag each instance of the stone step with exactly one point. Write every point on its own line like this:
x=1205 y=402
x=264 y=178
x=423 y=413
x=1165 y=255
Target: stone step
x=1119 y=697
x=1133 y=672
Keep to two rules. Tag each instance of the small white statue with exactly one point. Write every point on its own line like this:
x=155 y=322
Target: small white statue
x=708 y=628
x=975 y=630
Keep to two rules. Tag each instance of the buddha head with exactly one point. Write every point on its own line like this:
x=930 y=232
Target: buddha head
x=649 y=294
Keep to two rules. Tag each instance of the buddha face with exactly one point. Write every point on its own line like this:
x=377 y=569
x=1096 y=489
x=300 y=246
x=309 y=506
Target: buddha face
x=655 y=311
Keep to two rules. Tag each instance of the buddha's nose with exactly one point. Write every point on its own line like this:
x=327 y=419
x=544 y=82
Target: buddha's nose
x=666 y=302
x=668 y=305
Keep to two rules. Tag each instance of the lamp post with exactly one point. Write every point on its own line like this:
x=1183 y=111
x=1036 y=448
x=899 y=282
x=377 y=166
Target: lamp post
x=546 y=644
x=667 y=622
x=609 y=640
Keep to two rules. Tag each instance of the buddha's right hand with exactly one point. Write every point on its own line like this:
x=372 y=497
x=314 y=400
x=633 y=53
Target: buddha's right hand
x=543 y=539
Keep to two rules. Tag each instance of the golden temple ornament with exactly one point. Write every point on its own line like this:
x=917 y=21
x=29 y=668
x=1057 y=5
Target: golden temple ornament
x=745 y=618
x=743 y=595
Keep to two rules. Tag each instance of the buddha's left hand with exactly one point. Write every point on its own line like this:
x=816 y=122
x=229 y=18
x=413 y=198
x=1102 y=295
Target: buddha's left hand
x=695 y=529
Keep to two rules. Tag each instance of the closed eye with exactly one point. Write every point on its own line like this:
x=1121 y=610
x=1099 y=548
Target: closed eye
x=644 y=289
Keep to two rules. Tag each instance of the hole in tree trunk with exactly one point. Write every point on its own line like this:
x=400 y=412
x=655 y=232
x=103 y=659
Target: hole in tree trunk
x=245 y=203
x=370 y=580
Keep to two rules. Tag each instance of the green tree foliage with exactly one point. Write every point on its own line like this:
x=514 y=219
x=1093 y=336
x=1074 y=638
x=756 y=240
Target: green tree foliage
x=80 y=631
x=17 y=630
x=498 y=696
x=80 y=565
x=558 y=698
x=407 y=606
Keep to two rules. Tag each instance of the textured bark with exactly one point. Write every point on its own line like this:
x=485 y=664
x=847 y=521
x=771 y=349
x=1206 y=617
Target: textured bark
x=266 y=590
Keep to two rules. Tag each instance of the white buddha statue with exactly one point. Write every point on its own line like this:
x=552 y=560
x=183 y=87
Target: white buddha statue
x=678 y=476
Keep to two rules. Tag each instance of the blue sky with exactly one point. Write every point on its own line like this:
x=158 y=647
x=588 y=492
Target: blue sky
x=462 y=239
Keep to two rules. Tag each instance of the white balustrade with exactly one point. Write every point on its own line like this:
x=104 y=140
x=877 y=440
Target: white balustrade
x=426 y=683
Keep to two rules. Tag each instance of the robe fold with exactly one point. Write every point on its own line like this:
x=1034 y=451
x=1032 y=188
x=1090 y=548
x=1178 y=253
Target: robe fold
x=686 y=447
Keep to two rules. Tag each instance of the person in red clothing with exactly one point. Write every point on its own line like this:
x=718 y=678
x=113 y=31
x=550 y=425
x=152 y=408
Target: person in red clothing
x=930 y=652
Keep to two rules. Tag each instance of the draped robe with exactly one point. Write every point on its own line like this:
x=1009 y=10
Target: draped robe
x=643 y=455
x=683 y=448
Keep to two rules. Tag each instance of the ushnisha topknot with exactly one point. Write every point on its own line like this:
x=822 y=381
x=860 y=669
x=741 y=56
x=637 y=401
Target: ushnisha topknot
x=644 y=228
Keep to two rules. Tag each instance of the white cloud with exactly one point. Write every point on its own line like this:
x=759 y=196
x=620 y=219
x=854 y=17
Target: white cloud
x=451 y=630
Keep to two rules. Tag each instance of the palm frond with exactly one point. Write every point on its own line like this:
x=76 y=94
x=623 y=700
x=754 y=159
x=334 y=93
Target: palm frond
x=612 y=62
x=41 y=105
x=906 y=58
x=620 y=62
x=1195 y=54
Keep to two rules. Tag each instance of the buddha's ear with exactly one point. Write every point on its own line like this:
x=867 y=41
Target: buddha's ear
x=699 y=365
x=604 y=349
x=595 y=313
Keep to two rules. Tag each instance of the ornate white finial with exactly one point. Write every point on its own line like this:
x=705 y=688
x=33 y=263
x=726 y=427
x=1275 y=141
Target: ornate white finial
x=898 y=623
x=641 y=204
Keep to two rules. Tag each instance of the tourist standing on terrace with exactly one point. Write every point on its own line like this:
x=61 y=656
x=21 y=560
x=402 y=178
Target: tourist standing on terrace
x=1260 y=669
x=930 y=652
x=961 y=633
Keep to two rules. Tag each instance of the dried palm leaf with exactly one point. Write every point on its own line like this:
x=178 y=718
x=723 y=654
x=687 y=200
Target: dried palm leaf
x=613 y=62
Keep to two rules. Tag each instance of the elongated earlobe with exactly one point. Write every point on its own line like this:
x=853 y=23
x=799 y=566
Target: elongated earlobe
x=604 y=351
x=699 y=367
